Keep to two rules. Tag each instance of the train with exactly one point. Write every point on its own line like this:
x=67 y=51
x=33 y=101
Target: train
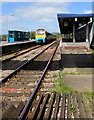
x=14 y=35
x=42 y=36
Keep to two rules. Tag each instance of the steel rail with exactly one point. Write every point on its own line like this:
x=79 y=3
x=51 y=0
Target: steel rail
x=27 y=106
x=20 y=67
x=19 y=54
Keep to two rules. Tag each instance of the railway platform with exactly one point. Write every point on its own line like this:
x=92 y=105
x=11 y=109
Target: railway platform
x=8 y=48
x=5 y=43
x=77 y=66
x=76 y=45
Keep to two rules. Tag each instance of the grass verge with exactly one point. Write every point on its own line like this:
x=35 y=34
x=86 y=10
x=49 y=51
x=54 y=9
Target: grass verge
x=60 y=86
x=90 y=97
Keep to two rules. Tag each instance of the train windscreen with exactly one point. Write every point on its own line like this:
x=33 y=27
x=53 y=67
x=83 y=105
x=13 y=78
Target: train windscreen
x=40 y=32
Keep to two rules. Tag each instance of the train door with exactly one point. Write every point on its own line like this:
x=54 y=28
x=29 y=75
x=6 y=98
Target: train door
x=11 y=36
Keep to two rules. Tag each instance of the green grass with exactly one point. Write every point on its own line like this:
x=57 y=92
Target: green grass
x=90 y=97
x=66 y=73
x=55 y=75
x=72 y=108
x=60 y=86
x=73 y=73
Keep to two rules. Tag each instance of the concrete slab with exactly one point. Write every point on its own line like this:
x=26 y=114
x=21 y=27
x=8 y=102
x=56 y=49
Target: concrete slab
x=81 y=83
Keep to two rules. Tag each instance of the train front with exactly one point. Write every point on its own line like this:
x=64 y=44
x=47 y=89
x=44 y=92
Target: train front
x=40 y=36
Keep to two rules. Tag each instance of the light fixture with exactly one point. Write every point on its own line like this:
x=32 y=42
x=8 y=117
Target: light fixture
x=75 y=19
x=91 y=19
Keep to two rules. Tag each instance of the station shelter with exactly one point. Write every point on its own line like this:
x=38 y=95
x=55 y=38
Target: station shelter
x=76 y=27
x=14 y=35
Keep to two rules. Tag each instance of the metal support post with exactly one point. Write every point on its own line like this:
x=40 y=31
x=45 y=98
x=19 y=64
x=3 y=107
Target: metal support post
x=73 y=32
x=87 y=32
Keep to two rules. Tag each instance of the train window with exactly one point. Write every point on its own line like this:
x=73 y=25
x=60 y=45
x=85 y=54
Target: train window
x=10 y=35
x=40 y=32
x=10 y=32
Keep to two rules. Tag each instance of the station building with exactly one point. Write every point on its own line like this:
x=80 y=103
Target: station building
x=76 y=27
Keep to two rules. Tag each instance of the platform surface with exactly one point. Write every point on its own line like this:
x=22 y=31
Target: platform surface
x=5 y=43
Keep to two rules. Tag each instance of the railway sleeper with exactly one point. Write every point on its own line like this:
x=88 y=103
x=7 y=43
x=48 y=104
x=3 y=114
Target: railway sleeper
x=54 y=106
x=24 y=80
x=30 y=87
x=27 y=76
x=13 y=112
x=60 y=106
x=16 y=94
x=29 y=72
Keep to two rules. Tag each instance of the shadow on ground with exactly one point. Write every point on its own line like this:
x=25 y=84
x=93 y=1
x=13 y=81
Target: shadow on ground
x=77 y=60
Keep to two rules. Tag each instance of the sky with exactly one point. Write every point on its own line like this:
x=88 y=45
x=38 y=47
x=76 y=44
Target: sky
x=29 y=16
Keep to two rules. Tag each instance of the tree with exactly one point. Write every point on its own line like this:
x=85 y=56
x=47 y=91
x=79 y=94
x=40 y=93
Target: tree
x=3 y=37
x=32 y=35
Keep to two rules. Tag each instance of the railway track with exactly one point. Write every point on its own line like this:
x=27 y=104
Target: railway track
x=12 y=63
x=18 y=53
x=36 y=78
x=12 y=48
x=24 y=81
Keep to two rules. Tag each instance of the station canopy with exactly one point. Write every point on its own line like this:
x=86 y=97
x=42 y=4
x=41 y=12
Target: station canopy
x=66 y=21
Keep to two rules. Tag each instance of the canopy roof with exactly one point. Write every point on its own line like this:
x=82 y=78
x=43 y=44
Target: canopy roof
x=66 y=21
x=60 y=15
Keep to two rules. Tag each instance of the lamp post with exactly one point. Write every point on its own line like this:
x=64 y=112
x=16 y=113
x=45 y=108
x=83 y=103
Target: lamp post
x=7 y=22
